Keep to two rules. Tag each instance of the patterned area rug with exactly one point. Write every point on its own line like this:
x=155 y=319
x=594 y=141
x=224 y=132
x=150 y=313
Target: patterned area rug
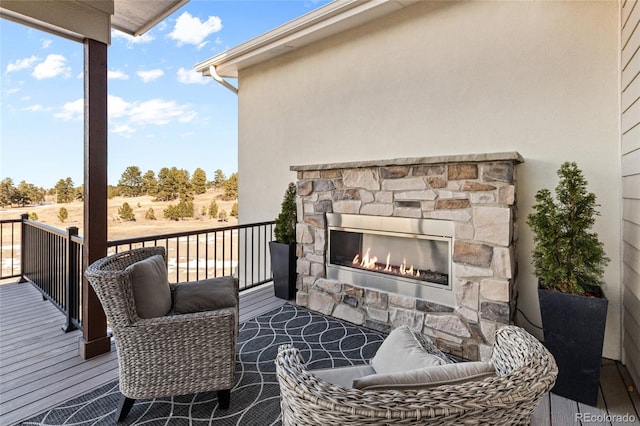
x=255 y=399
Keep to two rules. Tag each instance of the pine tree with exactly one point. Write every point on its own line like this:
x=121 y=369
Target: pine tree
x=199 y=181
x=213 y=209
x=567 y=256
x=125 y=212
x=63 y=214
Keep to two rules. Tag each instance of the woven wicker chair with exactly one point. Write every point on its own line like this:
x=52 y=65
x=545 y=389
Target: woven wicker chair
x=525 y=372
x=166 y=356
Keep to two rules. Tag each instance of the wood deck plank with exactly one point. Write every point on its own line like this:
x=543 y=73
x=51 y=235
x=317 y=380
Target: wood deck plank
x=41 y=367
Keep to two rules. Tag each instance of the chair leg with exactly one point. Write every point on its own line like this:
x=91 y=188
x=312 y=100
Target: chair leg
x=124 y=406
x=224 y=397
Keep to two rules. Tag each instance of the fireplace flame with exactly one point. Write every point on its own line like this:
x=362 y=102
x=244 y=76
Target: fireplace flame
x=371 y=262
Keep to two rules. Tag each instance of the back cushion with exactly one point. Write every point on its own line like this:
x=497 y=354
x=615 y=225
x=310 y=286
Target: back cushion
x=150 y=285
x=400 y=351
x=428 y=377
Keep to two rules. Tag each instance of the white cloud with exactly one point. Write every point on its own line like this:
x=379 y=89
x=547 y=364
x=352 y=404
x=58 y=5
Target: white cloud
x=21 y=64
x=191 y=77
x=33 y=108
x=117 y=75
x=131 y=40
x=71 y=111
x=53 y=66
x=150 y=75
x=116 y=106
x=123 y=129
x=191 y=30
x=126 y=117
x=159 y=112
x=46 y=42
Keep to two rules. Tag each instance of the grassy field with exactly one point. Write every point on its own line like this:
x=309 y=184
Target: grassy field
x=119 y=229
x=219 y=261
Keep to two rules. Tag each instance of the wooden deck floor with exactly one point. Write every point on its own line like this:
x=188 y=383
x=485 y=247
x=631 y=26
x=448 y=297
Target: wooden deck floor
x=40 y=366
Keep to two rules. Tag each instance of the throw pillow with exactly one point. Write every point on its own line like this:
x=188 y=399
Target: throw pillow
x=205 y=295
x=428 y=377
x=150 y=286
x=400 y=351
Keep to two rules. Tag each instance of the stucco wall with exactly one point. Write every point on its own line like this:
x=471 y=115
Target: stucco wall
x=540 y=78
x=630 y=150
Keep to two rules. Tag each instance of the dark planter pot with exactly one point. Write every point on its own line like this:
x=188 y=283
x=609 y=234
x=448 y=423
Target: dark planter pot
x=283 y=266
x=574 y=334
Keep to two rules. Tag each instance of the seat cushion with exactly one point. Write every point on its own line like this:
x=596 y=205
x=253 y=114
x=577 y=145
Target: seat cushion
x=344 y=376
x=400 y=352
x=150 y=285
x=427 y=377
x=205 y=295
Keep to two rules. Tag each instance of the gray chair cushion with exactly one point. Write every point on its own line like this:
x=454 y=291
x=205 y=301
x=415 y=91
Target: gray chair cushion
x=400 y=352
x=344 y=376
x=151 y=292
x=205 y=295
x=428 y=377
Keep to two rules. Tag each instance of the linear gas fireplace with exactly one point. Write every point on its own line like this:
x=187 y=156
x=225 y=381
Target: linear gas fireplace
x=395 y=254
x=426 y=242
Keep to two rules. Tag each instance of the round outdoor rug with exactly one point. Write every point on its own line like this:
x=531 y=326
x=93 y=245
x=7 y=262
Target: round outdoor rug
x=255 y=400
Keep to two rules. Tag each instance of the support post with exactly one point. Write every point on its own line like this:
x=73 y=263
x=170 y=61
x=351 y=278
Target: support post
x=94 y=340
x=23 y=245
x=70 y=280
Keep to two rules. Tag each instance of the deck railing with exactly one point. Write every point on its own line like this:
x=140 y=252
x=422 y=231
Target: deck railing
x=51 y=259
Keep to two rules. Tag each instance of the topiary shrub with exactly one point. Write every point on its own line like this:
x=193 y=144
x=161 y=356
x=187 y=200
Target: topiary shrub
x=567 y=255
x=285 y=229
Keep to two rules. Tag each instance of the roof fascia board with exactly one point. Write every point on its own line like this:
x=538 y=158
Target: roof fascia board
x=325 y=21
x=72 y=19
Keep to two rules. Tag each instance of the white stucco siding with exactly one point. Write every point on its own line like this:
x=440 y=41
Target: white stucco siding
x=630 y=151
x=540 y=78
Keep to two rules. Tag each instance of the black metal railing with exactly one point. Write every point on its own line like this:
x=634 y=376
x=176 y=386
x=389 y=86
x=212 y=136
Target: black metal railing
x=240 y=250
x=10 y=237
x=51 y=259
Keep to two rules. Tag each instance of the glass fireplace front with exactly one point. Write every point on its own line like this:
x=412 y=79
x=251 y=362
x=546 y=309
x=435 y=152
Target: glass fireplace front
x=401 y=255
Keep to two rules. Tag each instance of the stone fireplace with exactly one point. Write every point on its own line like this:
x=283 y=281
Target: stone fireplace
x=427 y=242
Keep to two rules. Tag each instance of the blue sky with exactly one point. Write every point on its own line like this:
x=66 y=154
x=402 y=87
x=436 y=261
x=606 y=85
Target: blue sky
x=161 y=113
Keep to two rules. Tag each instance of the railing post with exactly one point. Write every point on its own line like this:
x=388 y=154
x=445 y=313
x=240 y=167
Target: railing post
x=70 y=278
x=23 y=250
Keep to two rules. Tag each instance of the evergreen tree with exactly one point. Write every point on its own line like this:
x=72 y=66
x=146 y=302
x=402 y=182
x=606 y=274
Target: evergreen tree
x=150 y=215
x=199 y=181
x=6 y=192
x=234 y=210
x=149 y=183
x=63 y=214
x=130 y=182
x=231 y=188
x=172 y=184
x=125 y=212
x=213 y=209
x=219 y=179
x=64 y=191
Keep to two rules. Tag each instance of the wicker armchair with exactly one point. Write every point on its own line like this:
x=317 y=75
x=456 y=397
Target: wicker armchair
x=170 y=355
x=525 y=372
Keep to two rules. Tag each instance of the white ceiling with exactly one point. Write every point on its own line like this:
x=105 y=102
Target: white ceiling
x=80 y=19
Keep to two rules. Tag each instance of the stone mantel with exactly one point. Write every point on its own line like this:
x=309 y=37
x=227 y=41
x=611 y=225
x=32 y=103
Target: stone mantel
x=440 y=159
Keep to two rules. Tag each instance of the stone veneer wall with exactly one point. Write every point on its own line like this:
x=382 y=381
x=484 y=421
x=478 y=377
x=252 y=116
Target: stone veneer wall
x=476 y=192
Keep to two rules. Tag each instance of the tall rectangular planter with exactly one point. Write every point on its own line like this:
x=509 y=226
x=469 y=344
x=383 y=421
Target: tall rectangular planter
x=574 y=334
x=283 y=267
